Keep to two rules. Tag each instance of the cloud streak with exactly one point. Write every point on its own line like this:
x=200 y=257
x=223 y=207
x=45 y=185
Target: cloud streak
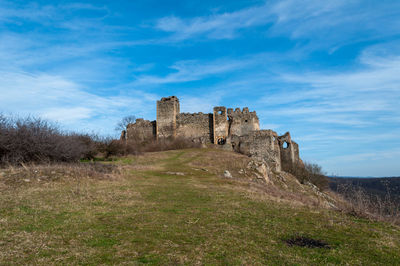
x=193 y=70
x=58 y=99
x=330 y=24
x=220 y=26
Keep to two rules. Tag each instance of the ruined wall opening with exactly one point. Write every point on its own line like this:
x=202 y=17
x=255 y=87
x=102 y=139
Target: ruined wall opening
x=220 y=122
x=221 y=141
x=285 y=145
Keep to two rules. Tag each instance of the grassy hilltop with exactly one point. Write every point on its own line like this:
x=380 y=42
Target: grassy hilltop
x=175 y=207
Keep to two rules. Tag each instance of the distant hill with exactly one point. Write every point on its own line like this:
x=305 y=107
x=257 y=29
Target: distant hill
x=381 y=187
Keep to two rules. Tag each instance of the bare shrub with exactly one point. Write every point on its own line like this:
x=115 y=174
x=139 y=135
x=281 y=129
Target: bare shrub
x=36 y=140
x=307 y=172
x=109 y=147
x=364 y=204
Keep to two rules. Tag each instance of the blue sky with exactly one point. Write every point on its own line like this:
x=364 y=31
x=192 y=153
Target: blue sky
x=327 y=71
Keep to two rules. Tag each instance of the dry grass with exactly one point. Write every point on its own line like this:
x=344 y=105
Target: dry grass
x=120 y=213
x=284 y=187
x=14 y=176
x=356 y=201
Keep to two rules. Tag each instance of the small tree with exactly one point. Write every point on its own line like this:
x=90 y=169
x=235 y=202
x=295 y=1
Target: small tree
x=130 y=119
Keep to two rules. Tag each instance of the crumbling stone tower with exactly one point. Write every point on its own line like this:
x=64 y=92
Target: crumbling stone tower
x=167 y=110
x=220 y=121
x=289 y=150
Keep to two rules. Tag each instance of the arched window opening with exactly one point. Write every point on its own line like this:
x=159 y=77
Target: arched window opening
x=285 y=145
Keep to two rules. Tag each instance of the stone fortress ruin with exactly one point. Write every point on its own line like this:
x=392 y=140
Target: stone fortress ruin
x=237 y=130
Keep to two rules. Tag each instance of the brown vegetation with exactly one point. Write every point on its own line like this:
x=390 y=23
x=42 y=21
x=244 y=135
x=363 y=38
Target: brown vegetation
x=15 y=176
x=35 y=140
x=307 y=172
x=360 y=203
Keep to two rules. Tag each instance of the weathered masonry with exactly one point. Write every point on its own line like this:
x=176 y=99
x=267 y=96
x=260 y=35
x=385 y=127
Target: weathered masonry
x=237 y=130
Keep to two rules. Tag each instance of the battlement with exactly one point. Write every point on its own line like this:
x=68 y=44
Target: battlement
x=242 y=122
x=169 y=99
x=192 y=114
x=192 y=118
x=237 y=111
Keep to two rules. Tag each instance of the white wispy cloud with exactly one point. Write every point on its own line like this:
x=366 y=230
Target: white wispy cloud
x=51 y=74
x=50 y=14
x=59 y=99
x=346 y=97
x=329 y=24
x=220 y=26
x=191 y=70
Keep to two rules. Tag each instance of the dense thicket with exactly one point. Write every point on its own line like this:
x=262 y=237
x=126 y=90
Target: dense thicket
x=36 y=140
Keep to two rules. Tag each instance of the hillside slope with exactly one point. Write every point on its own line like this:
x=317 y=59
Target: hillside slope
x=176 y=207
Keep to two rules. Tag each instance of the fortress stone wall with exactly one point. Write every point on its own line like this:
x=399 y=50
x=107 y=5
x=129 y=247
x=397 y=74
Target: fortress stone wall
x=142 y=130
x=260 y=144
x=237 y=130
x=197 y=126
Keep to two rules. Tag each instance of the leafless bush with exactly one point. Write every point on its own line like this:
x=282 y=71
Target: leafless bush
x=364 y=204
x=36 y=140
x=109 y=147
x=307 y=172
x=26 y=140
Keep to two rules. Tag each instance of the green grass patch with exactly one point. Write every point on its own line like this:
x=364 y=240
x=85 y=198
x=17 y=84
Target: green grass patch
x=150 y=217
